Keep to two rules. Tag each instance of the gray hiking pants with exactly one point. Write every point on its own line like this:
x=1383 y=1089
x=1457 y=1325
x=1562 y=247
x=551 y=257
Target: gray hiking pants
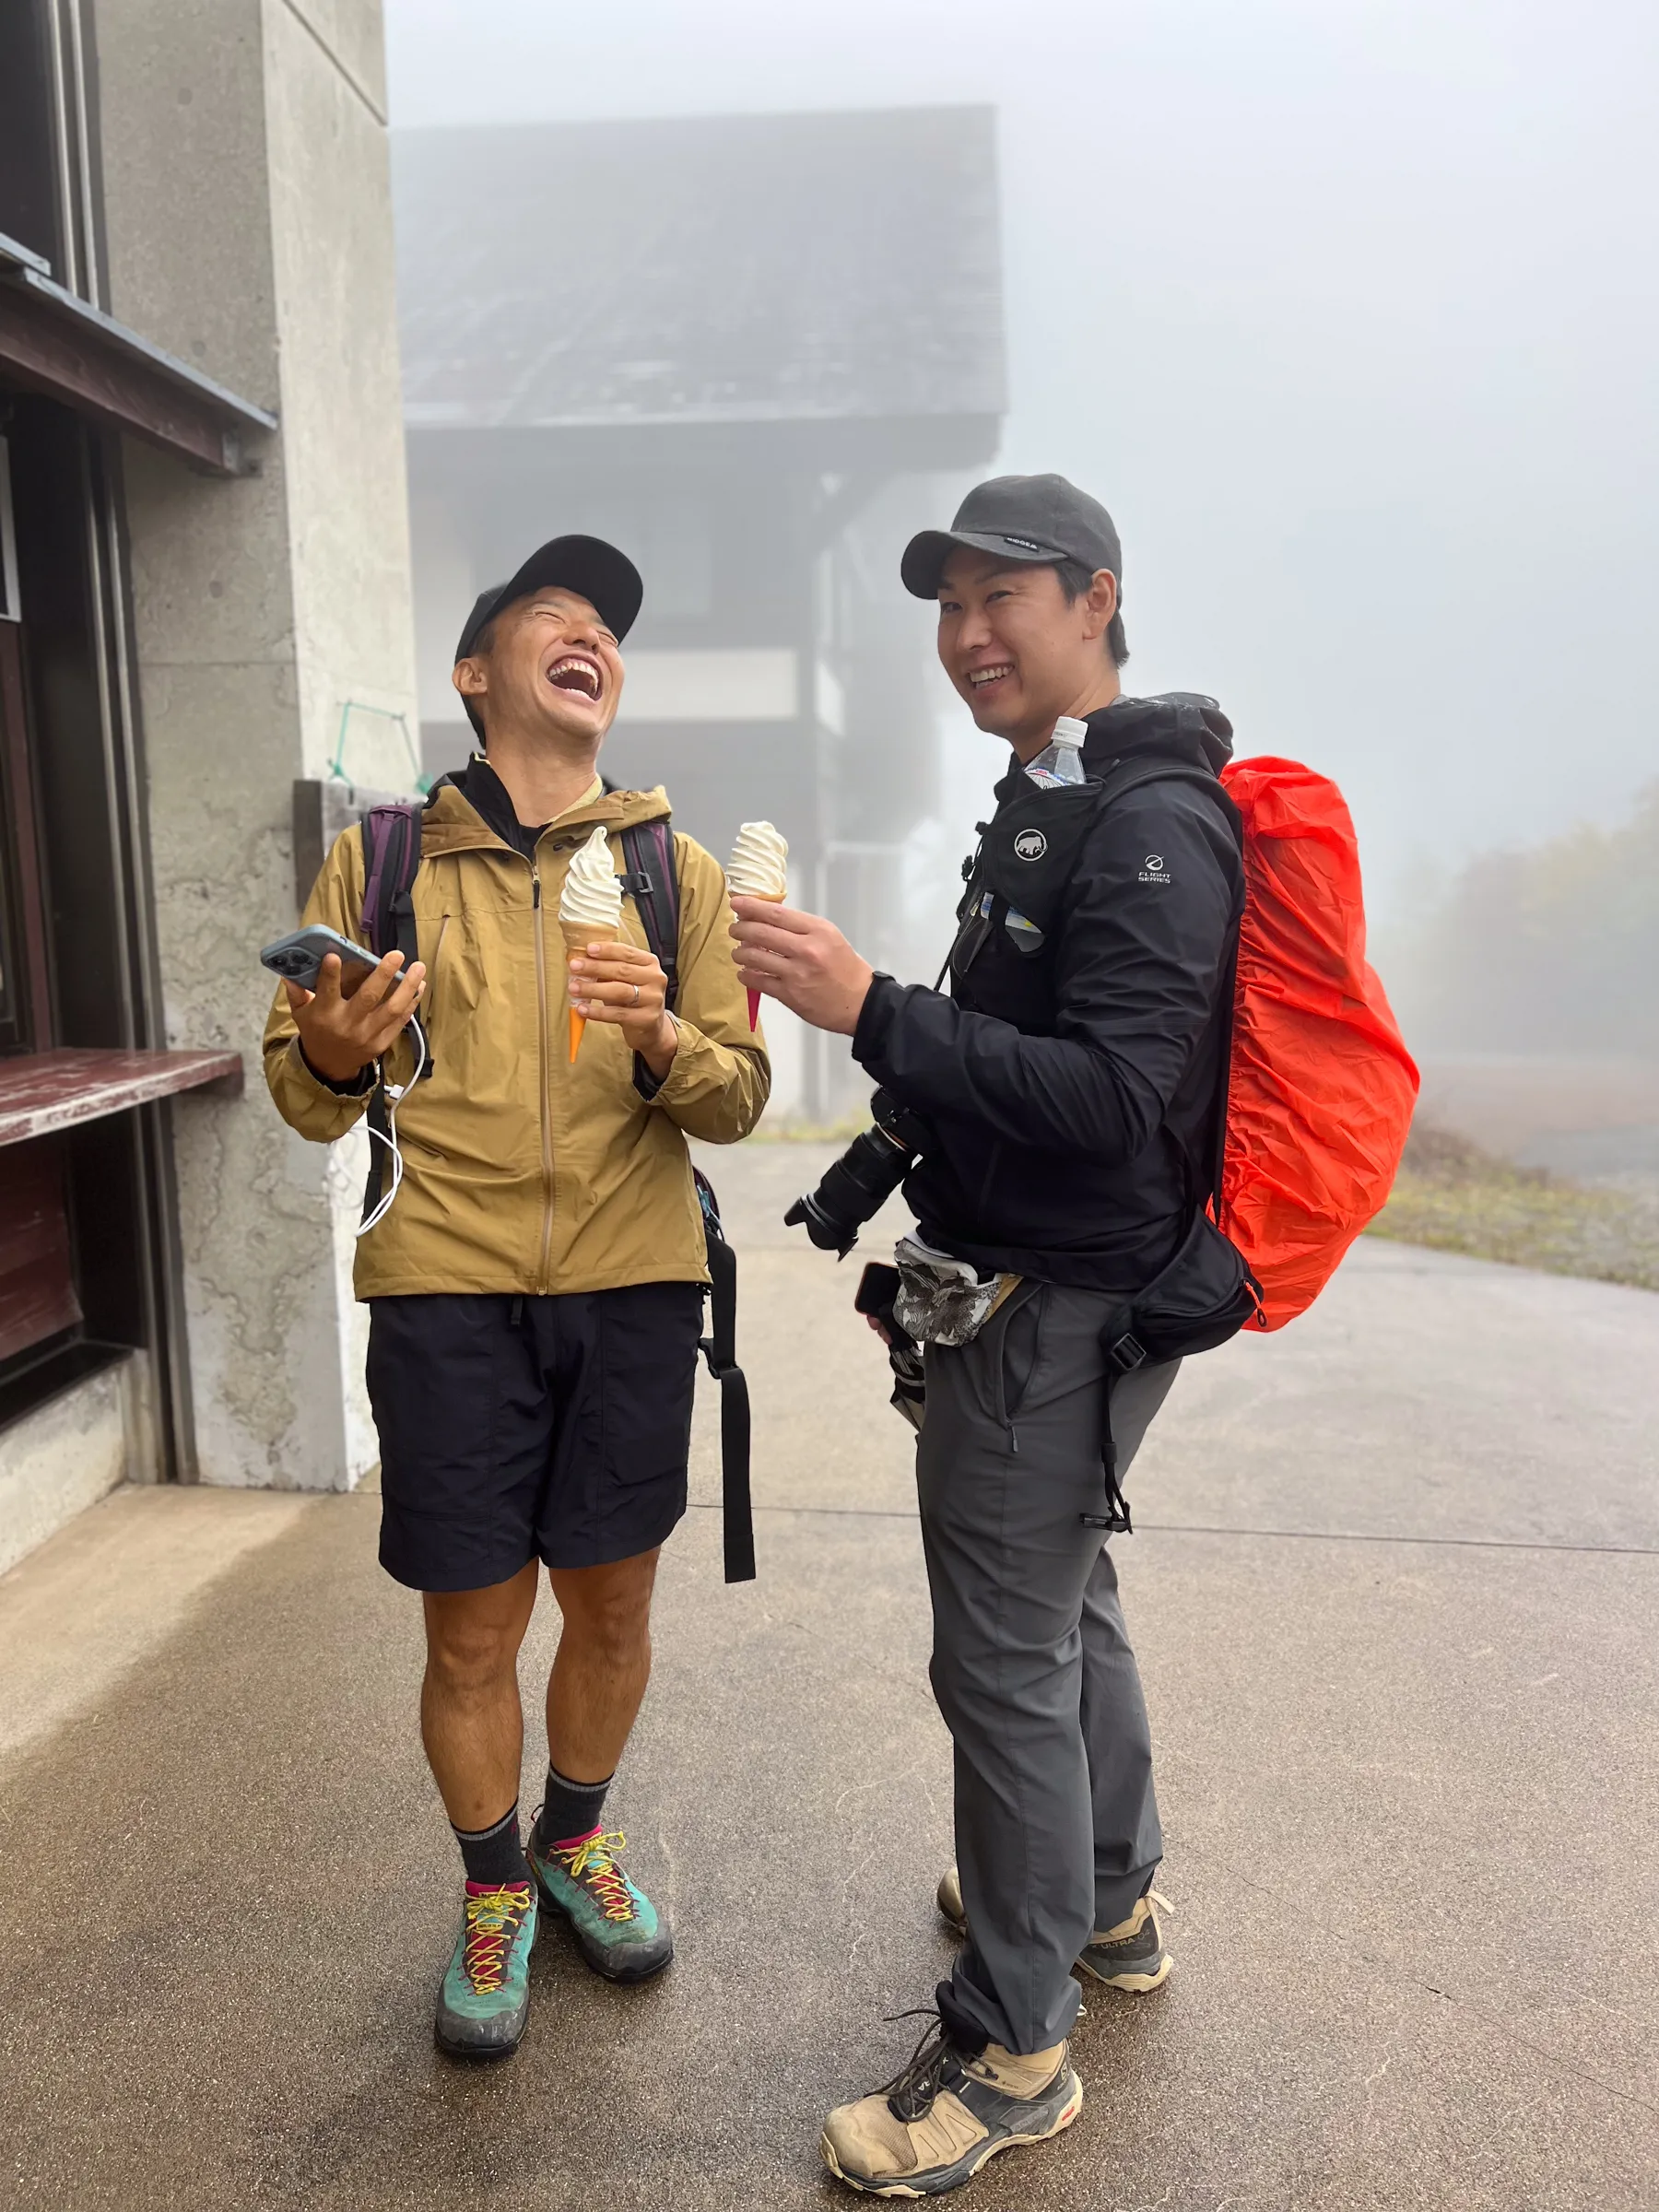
x=1056 y=1823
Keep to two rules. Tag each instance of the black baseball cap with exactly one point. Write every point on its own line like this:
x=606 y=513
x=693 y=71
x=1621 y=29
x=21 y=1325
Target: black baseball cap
x=1019 y=518
x=607 y=579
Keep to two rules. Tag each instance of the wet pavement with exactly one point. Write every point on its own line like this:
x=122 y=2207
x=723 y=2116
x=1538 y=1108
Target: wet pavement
x=1396 y=1591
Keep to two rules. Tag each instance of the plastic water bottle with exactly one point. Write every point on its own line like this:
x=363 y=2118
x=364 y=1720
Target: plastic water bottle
x=1060 y=760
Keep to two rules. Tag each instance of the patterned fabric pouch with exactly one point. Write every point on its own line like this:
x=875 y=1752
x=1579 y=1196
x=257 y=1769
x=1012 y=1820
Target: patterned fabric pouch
x=942 y=1300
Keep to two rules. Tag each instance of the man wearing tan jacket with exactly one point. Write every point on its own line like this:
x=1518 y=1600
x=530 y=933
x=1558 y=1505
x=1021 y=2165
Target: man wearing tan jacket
x=535 y=1287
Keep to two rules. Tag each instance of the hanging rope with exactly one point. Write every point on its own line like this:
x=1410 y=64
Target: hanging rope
x=337 y=768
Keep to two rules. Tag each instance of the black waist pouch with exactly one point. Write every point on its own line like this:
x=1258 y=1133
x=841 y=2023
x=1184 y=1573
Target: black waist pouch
x=1204 y=1295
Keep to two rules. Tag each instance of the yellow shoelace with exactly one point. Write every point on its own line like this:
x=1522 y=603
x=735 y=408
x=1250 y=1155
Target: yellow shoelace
x=491 y=1921
x=592 y=1863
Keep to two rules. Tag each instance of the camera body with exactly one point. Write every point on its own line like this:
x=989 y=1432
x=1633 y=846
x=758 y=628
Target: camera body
x=857 y=1185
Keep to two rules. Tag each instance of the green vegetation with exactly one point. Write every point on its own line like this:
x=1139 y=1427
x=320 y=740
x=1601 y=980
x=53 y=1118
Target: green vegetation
x=1547 y=948
x=1455 y=1197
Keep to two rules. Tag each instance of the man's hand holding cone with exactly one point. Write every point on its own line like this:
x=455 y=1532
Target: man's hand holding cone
x=610 y=980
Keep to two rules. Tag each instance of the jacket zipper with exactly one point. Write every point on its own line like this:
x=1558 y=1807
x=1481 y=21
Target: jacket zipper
x=541 y=1283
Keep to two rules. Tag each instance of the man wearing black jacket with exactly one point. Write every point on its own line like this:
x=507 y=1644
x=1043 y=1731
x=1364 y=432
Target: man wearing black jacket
x=1069 y=1084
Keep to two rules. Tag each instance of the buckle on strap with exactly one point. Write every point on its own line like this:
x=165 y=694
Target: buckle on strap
x=1128 y=1353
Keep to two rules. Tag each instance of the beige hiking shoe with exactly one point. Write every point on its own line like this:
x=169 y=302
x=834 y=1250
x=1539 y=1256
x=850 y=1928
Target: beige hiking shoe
x=946 y=2114
x=1130 y=1956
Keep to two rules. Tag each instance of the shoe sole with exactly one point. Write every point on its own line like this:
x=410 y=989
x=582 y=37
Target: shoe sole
x=622 y=1974
x=1132 y=1984
x=484 y=2053
x=953 y=2177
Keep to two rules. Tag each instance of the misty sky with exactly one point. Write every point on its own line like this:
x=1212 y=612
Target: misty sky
x=1347 y=311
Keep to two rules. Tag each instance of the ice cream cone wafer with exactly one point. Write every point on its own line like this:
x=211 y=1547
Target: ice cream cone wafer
x=771 y=899
x=578 y=936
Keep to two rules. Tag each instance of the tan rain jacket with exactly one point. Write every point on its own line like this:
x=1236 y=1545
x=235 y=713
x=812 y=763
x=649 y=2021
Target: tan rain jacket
x=523 y=1171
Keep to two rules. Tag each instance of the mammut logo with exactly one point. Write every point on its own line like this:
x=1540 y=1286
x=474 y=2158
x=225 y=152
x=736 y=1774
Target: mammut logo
x=1031 y=844
x=1153 y=869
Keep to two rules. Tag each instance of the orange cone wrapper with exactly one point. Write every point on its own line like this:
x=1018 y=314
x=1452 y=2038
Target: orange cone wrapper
x=759 y=869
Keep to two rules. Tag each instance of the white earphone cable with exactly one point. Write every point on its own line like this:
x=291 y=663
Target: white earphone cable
x=396 y=1095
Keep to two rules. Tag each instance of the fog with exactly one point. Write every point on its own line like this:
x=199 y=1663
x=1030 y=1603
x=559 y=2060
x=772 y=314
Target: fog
x=1348 y=312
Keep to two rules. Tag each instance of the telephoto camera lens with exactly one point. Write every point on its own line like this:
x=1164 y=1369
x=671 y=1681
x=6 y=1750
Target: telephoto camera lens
x=861 y=1181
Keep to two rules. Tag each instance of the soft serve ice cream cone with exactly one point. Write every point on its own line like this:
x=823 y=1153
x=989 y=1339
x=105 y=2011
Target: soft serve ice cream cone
x=589 y=910
x=759 y=869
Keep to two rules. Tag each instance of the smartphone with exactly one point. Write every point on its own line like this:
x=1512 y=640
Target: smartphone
x=298 y=957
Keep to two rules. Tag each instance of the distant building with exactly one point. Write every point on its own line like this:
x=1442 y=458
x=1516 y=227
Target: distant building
x=204 y=598
x=745 y=349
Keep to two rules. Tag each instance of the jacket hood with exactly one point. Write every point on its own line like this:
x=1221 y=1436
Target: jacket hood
x=1184 y=723
x=451 y=824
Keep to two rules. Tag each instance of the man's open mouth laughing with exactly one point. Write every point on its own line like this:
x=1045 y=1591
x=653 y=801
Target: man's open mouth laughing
x=577 y=672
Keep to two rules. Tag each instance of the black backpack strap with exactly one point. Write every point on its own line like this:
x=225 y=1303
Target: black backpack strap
x=1121 y=778
x=1123 y=1349
x=719 y=1348
x=652 y=882
x=390 y=860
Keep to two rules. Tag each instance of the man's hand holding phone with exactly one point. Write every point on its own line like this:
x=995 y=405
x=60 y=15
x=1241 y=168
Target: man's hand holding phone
x=350 y=1020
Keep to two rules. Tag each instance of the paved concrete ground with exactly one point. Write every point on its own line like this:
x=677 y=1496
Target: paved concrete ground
x=1396 y=1595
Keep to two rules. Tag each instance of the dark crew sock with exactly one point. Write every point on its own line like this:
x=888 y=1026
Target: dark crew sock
x=569 y=1809
x=494 y=1856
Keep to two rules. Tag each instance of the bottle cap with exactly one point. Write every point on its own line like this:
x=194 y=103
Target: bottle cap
x=1068 y=730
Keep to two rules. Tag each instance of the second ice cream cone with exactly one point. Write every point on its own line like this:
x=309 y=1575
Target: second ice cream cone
x=759 y=868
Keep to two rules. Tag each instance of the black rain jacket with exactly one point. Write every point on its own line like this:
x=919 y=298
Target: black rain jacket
x=1072 y=1078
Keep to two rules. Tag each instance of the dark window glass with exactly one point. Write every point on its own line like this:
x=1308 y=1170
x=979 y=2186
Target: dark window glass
x=25 y=1013
x=28 y=189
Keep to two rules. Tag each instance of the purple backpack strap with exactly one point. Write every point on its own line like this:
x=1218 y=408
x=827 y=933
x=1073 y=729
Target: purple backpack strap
x=391 y=856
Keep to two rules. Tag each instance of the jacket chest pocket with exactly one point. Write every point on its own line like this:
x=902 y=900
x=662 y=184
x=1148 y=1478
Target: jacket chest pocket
x=1030 y=853
x=1003 y=965
x=1015 y=897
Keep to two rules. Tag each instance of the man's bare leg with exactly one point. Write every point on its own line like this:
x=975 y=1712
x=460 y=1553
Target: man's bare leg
x=602 y=1665
x=594 y=1696
x=473 y=1731
x=471 y=1721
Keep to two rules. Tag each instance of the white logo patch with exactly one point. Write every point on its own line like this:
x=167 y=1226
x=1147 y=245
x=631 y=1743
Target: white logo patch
x=1031 y=844
x=1153 y=869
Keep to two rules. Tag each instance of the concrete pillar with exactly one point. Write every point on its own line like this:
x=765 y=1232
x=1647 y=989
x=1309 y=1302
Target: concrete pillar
x=247 y=229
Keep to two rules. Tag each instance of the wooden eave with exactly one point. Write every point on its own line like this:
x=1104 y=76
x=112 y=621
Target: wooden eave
x=54 y=341
x=42 y=1093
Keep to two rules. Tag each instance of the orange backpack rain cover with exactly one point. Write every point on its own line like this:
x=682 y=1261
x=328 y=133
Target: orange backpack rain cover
x=1322 y=1088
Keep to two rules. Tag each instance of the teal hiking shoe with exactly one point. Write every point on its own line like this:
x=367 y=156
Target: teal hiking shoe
x=485 y=1998
x=621 y=1931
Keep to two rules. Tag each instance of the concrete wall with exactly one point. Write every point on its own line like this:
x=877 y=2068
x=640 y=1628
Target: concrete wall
x=248 y=228
x=73 y=1451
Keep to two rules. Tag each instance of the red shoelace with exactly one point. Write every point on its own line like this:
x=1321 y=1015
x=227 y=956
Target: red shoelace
x=493 y=1919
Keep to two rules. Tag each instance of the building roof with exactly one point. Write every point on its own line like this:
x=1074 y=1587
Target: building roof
x=730 y=269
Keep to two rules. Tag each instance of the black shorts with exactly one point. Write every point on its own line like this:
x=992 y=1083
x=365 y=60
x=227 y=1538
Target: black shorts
x=517 y=1429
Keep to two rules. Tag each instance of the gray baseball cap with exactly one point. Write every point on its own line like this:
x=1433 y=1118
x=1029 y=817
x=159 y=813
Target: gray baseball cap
x=1019 y=518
